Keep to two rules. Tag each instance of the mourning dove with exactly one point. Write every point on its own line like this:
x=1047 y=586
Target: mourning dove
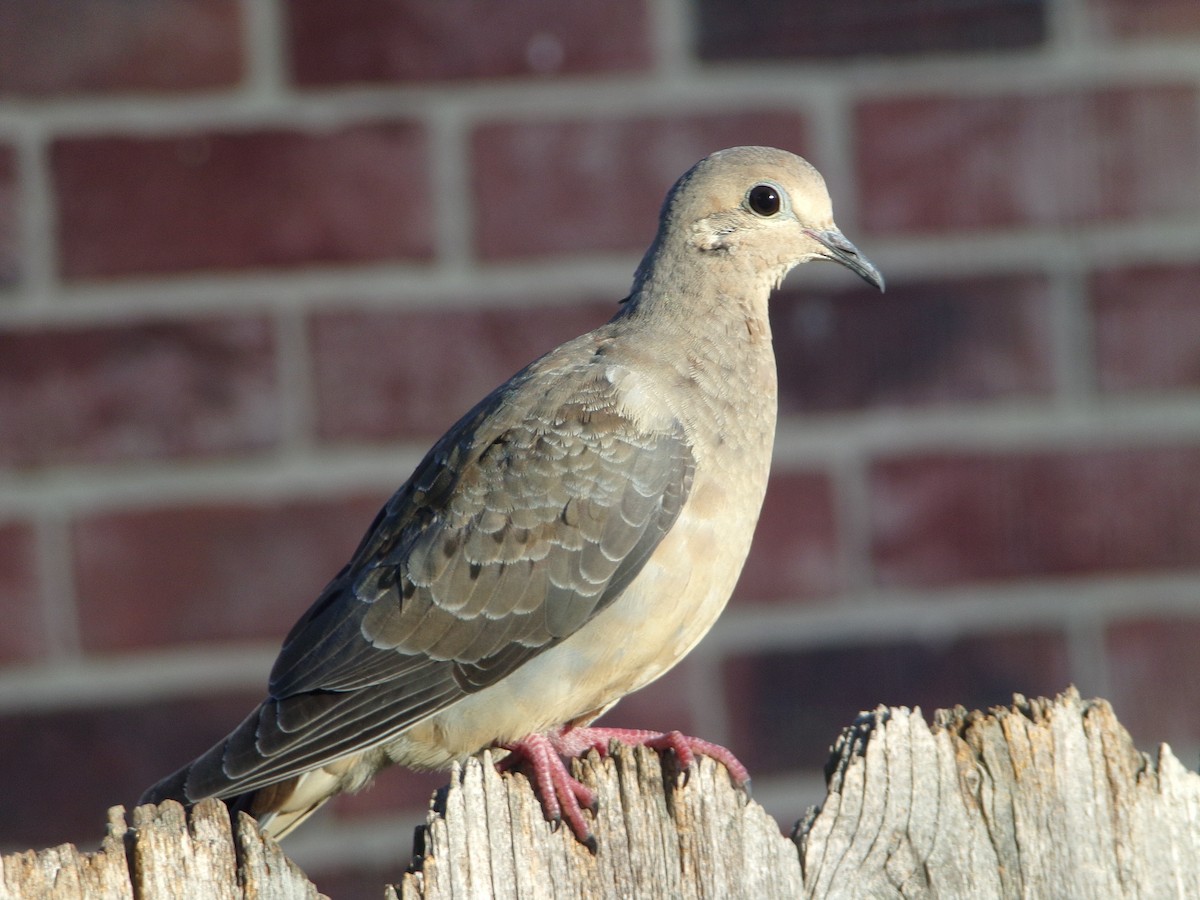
x=566 y=542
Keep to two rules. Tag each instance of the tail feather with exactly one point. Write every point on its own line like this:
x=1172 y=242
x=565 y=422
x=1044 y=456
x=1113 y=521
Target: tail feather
x=280 y=807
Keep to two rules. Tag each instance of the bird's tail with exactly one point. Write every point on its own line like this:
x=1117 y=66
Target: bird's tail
x=279 y=808
x=282 y=807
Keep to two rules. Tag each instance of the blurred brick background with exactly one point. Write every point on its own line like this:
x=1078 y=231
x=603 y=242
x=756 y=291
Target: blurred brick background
x=256 y=254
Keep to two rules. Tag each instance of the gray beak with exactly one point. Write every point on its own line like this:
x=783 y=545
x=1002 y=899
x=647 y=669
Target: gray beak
x=844 y=252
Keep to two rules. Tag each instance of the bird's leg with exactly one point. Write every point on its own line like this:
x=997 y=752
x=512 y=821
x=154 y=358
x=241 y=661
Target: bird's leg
x=562 y=796
x=684 y=747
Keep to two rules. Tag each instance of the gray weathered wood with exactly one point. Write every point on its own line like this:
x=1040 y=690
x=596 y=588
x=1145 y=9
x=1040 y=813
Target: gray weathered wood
x=166 y=854
x=657 y=838
x=1039 y=799
x=63 y=873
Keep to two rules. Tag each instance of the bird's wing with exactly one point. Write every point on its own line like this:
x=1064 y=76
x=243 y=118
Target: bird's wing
x=531 y=515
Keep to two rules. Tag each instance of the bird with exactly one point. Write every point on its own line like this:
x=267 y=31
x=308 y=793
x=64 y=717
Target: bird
x=567 y=541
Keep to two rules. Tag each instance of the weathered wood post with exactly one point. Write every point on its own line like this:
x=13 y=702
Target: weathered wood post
x=1039 y=799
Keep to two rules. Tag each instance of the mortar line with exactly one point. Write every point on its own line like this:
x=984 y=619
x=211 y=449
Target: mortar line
x=889 y=614
x=295 y=382
x=37 y=240
x=852 y=519
x=1071 y=351
x=265 y=51
x=673 y=29
x=1087 y=655
x=759 y=84
x=58 y=590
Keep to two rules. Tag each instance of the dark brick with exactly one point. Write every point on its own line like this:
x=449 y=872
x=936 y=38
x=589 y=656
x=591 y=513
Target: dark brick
x=417 y=41
x=137 y=391
x=396 y=790
x=60 y=770
x=1152 y=671
x=924 y=343
x=241 y=200
x=778 y=29
x=10 y=243
x=23 y=637
x=788 y=708
x=1169 y=19
x=1146 y=327
x=795 y=555
x=411 y=375
x=939 y=164
x=86 y=46
x=364 y=882
x=946 y=519
x=178 y=575
x=544 y=188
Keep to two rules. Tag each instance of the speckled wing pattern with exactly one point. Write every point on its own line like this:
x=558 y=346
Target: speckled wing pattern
x=530 y=516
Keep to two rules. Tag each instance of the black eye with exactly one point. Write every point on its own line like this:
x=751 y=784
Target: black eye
x=764 y=199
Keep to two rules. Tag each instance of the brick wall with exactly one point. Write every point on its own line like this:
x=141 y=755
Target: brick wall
x=256 y=254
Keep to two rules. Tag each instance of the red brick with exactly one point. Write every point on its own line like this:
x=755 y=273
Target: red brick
x=781 y=29
x=241 y=200
x=921 y=344
x=1152 y=673
x=361 y=881
x=1146 y=328
x=795 y=550
x=139 y=391
x=411 y=375
x=416 y=41
x=23 y=637
x=788 y=708
x=60 y=770
x=10 y=247
x=395 y=791
x=178 y=575
x=83 y=46
x=947 y=519
x=948 y=164
x=1170 y=19
x=572 y=187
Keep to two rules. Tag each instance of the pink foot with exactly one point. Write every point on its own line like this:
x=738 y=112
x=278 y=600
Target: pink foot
x=564 y=797
x=684 y=747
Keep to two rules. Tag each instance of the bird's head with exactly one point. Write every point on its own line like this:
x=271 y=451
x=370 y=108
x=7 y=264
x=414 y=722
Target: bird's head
x=758 y=208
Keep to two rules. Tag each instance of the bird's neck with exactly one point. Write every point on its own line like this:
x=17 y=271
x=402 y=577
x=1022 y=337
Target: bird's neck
x=694 y=292
x=714 y=334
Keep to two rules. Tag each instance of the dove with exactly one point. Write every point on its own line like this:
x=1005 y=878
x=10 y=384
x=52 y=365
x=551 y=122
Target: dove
x=565 y=543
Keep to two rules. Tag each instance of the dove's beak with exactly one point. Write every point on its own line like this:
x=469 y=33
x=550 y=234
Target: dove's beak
x=839 y=249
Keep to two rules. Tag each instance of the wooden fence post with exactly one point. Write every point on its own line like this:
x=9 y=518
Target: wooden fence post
x=1039 y=799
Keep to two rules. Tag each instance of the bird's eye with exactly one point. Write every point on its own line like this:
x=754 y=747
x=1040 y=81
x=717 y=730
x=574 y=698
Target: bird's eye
x=764 y=199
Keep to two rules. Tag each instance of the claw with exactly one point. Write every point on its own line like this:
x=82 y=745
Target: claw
x=684 y=747
x=564 y=798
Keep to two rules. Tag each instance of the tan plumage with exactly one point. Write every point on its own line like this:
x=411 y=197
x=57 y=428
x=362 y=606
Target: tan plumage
x=570 y=538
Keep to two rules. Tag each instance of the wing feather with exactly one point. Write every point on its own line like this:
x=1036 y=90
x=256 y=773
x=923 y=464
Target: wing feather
x=530 y=516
